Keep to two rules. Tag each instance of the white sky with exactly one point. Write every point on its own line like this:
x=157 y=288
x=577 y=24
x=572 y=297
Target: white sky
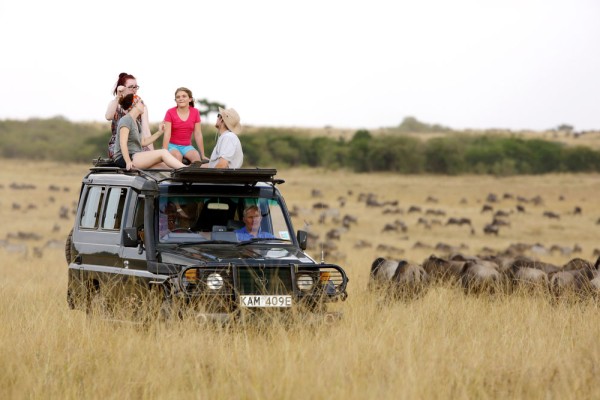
x=517 y=64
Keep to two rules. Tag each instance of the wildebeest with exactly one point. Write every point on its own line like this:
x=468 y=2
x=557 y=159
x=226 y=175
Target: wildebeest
x=575 y=277
x=440 y=269
x=487 y=207
x=551 y=215
x=402 y=278
x=491 y=229
x=480 y=277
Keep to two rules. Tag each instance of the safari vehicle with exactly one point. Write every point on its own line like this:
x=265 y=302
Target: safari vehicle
x=170 y=235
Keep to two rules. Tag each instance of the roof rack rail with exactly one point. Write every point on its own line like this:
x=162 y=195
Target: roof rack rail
x=218 y=175
x=193 y=174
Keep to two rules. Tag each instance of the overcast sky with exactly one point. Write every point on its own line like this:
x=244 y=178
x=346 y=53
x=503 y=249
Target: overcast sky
x=517 y=64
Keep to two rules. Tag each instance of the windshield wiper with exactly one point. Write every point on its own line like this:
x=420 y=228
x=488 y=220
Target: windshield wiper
x=255 y=240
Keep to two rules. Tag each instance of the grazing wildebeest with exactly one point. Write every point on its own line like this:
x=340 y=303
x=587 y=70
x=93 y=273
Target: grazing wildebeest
x=487 y=207
x=421 y=245
x=389 y=249
x=63 y=213
x=349 y=219
x=524 y=276
x=574 y=277
x=491 y=198
x=571 y=281
x=537 y=200
x=526 y=262
x=501 y=213
x=316 y=193
x=393 y=211
x=320 y=205
x=401 y=277
x=413 y=209
x=500 y=222
x=530 y=279
x=551 y=215
x=480 y=277
x=440 y=269
x=333 y=234
x=361 y=244
x=491 y=229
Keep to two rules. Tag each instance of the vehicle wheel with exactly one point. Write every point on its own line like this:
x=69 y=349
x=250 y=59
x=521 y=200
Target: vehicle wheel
x=69 y=247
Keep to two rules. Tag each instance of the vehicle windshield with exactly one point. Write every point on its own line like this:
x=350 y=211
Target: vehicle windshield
x=217 y=219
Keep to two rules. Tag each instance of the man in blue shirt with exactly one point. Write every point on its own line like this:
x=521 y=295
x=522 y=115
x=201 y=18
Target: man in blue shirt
x=252 y=219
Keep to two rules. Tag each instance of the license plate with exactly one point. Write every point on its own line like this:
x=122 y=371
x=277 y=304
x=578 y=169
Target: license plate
x=267 y=301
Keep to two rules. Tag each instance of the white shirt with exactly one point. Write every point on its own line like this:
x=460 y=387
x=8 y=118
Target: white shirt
x=228 y=147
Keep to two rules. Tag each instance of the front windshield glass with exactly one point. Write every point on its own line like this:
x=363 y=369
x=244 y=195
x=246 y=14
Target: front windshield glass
x=194 y=218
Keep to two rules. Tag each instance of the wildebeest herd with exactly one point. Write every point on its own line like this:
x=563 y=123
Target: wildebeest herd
x=486 y=275
x=515 y=268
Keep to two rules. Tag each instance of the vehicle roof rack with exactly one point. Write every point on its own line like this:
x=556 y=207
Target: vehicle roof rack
x=193 y=174
x=218 y=175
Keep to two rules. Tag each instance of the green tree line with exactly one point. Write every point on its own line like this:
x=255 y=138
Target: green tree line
x=452 y=154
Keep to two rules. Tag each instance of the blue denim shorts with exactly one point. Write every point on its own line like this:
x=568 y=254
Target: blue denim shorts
x=181 y=148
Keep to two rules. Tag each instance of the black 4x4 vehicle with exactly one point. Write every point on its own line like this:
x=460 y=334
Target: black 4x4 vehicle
x=178 y=236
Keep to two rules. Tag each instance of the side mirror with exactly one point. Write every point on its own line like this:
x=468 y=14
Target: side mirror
x=302 y=237
x=130 y=237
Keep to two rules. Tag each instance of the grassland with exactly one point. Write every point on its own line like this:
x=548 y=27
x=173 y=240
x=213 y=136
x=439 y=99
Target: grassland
x=444 y=345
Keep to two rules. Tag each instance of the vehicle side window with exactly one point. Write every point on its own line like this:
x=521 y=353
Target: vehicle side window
x=91 y=208
x=113 y=211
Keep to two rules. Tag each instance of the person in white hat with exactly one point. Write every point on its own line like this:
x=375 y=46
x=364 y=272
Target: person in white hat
x=228 y=151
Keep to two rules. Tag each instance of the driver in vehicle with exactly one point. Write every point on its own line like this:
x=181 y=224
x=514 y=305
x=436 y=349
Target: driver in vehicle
x=252 y=219
x=168 y=219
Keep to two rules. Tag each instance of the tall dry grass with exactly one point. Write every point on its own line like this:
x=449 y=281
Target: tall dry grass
x=443 y=345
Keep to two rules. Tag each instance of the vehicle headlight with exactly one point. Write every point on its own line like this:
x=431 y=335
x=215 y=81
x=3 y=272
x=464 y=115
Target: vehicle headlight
x=305 y=282
x=214 y=281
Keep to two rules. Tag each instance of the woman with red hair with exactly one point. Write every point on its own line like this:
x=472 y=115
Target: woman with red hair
x=126 y=84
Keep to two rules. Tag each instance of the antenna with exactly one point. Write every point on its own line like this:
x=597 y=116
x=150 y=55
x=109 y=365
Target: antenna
x=322 y=254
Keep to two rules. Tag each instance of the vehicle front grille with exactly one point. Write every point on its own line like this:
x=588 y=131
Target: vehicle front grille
x=261 y=280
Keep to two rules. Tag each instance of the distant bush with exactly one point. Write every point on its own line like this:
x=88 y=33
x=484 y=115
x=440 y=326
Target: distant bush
x=412 y=125
x=453 y=154
x=53 y=139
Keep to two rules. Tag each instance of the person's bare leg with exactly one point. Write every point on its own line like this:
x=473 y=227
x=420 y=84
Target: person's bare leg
x=147 y=159
x=192 y=155
x=177 y=154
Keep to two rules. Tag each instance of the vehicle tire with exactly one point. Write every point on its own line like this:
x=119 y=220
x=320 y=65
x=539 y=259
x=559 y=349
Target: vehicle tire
x=69 y=247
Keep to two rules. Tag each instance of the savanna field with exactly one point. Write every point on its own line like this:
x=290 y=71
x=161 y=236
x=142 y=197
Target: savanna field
x=446 y=344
